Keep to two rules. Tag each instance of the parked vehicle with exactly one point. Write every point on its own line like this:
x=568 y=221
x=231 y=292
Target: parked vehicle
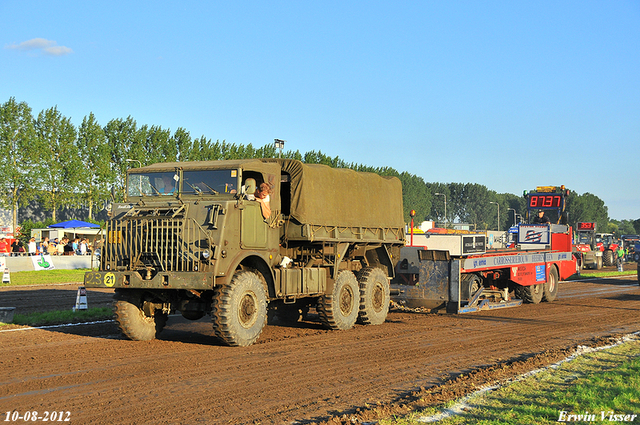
x=630 y=242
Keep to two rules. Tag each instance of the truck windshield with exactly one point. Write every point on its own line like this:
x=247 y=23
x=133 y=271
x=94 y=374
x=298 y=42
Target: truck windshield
x=152 y=184
x=209 y=182
x=584 y=238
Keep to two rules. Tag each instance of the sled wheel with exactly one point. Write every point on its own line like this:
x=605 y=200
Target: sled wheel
x=551 y=286
x=530 y=294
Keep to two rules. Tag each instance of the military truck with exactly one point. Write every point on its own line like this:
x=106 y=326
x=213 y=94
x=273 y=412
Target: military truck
x=191 y=238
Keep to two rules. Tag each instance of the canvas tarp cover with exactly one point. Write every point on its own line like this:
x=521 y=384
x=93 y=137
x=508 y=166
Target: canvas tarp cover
x=321 y=195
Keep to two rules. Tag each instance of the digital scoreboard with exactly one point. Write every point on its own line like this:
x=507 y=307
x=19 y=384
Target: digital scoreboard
x=586 y=226
x=545 y=200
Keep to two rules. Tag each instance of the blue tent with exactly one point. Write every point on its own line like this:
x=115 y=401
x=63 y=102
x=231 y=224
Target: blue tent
x=72 y=224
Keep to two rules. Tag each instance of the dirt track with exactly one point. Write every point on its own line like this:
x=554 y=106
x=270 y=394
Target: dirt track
x=303 y=373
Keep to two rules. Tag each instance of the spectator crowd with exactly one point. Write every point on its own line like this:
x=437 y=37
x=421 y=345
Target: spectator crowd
x=64 y=246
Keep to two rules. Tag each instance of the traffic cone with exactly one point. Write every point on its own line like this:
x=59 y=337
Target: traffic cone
x=6 y=277
x=81 y=299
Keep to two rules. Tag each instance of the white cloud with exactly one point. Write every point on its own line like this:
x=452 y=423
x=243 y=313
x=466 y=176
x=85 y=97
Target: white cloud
x=57 y=50
x=48 y=47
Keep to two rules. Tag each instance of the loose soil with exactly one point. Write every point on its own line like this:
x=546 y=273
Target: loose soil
x=293 y=374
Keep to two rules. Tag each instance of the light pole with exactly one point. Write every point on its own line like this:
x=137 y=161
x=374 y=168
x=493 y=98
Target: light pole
x=514 y=215
x=445 y=207
x=279 y=144
x=498 y=213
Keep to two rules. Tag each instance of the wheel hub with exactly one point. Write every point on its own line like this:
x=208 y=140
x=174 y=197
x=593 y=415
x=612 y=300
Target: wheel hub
x=346 y=301
x=247 y=312
x=378 y=298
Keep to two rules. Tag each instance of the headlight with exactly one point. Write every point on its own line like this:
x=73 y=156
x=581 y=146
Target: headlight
x=206 y=254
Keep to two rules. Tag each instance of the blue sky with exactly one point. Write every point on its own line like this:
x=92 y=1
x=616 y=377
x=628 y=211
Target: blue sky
x=510 y=95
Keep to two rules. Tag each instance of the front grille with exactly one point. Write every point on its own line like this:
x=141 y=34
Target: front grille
x=158 y=244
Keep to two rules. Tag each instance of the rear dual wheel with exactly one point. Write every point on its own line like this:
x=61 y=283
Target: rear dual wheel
x=374 y=296
x=339 y=309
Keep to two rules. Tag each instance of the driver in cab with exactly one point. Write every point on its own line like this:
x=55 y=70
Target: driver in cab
x=541 y=218
x=168 y=186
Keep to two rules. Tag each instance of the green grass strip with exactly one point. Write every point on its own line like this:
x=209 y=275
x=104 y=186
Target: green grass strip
x=601 y=386
x=46 y=277
x=61 y=317
x=589 y=275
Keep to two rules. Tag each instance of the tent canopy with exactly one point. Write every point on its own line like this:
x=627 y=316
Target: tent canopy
x=73 y=224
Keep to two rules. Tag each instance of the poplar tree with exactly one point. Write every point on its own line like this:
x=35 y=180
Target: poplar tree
x=16 y=156
x=93 y=181
x=59 y=164
x=124 y=142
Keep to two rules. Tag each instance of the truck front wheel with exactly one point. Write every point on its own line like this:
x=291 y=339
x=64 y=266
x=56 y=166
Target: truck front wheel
x=339 y=309
x=374 y=296
x=135 y=324
x=240 y=310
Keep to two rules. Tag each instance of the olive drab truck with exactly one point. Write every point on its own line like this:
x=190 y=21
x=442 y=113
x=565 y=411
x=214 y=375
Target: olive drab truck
x=191 y=238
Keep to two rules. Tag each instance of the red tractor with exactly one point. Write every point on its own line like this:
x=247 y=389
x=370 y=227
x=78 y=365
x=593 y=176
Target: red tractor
x=584 y=247
x=608 y=244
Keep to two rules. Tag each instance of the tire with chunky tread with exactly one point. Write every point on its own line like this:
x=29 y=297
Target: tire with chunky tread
x=131 y=319
x=374 y=296
x=551 y=286
x=607 y=258
x=530 y=294
x=239 y=311
x=471 y=283
x=339 y=310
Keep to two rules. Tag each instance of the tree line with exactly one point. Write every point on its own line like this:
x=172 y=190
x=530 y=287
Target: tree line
x=48 y=159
